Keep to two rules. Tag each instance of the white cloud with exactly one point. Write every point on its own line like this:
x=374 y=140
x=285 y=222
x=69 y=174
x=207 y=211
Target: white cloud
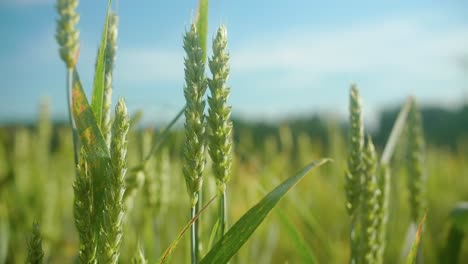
x=399 y=47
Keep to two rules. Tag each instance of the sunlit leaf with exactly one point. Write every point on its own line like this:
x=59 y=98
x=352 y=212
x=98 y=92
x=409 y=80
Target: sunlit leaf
x=240 y=232
x=98 y=87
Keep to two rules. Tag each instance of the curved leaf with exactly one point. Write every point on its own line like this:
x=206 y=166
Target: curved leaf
x=98 y=87
x=240 y=232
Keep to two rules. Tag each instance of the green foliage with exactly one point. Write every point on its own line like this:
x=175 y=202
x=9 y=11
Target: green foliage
x=36 y=177
x=94 y=148
x=238 y=234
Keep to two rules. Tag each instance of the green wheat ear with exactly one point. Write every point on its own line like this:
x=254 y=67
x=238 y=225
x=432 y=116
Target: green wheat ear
x=111 y=48
x=415 y=164
x=355 y=152
x=370 y=207
x=35 y=252
x=114 y=204
x=67 y=35
x=219 y=123
x=354 y=176
x=82 y=210
x=194 y=90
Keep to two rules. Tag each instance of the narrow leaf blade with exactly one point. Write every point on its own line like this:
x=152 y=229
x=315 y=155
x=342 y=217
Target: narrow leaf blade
x=240 y=232
x=301 y=246
x=413 y=254
x=396 y=132
x=167 y=254
x=202 y=25
x=98 y=87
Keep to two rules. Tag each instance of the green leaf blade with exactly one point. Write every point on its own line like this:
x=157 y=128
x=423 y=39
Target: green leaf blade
x=413 y=254
x=396 y=132
x=301 y=246
x=202 y=25
x=98 y=86
x=240 y=232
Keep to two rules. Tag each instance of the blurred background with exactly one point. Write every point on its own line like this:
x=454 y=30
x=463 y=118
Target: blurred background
x=292 y=63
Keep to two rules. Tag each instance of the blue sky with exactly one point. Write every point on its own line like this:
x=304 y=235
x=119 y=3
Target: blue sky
x=287 y=57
